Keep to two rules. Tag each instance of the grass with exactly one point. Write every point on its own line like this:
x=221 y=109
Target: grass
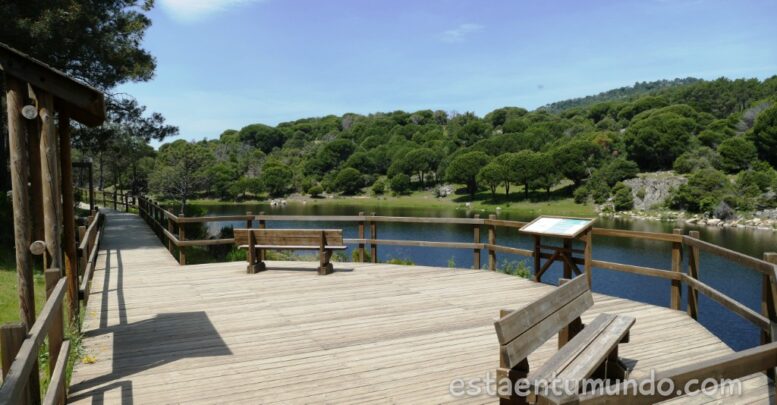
x=558 y=202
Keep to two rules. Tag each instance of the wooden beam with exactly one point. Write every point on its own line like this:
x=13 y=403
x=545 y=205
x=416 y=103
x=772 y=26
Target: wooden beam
x=57 y=330
x=84 y=103
x=693 y=272
x=68 y=214
x=57 y=391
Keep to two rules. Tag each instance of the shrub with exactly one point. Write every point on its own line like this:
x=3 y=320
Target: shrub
x=622 y=200
x=400 y=184
x=704 y=190
x=348 y=181
x=736 y=154
x=315 y=191
x=379 y=187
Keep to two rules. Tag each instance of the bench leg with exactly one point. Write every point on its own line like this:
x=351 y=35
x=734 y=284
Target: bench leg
x=325 y=266
x=514 y=374
x=257 y=266
x=612 y=369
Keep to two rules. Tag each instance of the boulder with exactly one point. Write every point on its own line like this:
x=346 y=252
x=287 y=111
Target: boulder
x=652 y=189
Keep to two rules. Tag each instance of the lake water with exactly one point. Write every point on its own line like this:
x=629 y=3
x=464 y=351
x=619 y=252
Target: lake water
x=742 y=284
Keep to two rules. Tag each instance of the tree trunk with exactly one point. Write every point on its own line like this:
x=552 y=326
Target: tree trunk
x=507 y=189
x=547 y=193
x=101 y=182
x=526 y=190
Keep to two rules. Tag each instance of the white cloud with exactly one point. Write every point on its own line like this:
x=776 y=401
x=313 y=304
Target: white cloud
x=194 y=10
x=459 y=33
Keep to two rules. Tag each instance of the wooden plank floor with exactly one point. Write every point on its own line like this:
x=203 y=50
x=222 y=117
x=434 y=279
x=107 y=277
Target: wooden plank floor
x=162 y=333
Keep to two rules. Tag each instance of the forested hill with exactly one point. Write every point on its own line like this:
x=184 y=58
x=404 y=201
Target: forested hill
x=620 y=94
x=721 y=134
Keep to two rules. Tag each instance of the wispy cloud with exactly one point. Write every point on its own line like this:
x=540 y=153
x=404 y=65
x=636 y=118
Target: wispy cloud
x=188 y=11
x=459 y=33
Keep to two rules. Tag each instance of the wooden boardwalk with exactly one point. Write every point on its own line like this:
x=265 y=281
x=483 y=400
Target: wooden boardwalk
x=161 y=333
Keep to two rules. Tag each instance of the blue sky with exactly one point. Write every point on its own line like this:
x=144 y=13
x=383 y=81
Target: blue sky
x=228 y=63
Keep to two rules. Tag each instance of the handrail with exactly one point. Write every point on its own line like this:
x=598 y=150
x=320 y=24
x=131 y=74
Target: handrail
x=761 y=266
x=19 y=372
x=153 y=213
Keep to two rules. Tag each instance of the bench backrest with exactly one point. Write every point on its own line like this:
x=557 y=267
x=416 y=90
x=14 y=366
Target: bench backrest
x=522 y=331
x=290 y=237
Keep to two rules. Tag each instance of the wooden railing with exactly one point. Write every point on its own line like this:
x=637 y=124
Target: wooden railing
x=90 y=237
x=170 y=228
x=20 y=351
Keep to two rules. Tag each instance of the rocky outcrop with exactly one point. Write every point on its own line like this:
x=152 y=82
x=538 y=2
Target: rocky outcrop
x=650 y=190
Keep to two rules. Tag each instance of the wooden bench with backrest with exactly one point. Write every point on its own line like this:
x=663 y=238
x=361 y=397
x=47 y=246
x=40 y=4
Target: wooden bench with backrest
x=589 y=351
x=257 y=240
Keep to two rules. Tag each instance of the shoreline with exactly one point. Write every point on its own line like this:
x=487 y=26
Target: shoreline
x=561 y=207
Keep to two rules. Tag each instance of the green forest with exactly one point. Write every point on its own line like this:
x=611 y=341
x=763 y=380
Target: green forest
x=721 y=135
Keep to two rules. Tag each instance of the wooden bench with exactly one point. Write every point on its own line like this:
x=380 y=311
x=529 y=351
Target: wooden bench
x=589 y=351
x=257 y=240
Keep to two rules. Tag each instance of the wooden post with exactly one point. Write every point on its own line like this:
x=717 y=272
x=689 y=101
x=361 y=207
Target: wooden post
x=12 y=336
x=91 y=189
x=769 y=307
x=567 y=273
x=115 y=196
x=68 y=214
x=15 y=91
x=36 y=189
x=373 y=236
x=675 y=296
x=84 y=256
x=50 y=178
x=491 y=241
x=170 y=229
x=361 y=236
x=476 y=251
x=693 y=271
x=262 y=225
x=105 y=199
x=588 y=238
x=57 y=328
x=537 y=257
x=181 y=237
x=250 y=220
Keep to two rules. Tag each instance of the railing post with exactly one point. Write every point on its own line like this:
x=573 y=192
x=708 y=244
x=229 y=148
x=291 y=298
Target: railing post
x=181 y=237
x=491 y=242
x=115 y=197
x=675 y=296
x=126 y=202
x=57 y=329
x=588 y=256
x=693 y=271
x=769 y=306
x=262 y=225
x=567 y=272
x=12 y=336
x=250 y=219
x=170 y=229
x=373 y=236
x=361 y=236
x=476 y=251
x=82 y=260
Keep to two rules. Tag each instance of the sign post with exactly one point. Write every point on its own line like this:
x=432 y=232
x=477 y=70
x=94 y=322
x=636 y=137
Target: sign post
x=569 y=230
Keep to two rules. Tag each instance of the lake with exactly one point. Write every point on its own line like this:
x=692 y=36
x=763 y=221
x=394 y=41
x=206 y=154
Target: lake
x=740 y=283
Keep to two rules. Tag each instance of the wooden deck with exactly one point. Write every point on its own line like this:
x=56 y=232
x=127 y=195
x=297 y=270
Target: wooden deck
x=162 y=333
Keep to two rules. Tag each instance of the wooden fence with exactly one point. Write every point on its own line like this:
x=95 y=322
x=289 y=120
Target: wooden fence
x=20 y=348
x=170 y=228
